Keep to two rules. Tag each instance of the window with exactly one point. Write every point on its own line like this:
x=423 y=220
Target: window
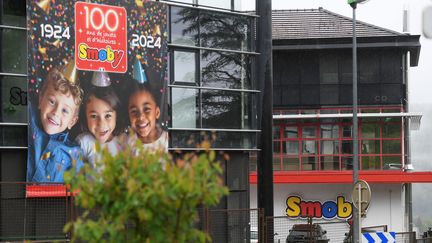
x=212 y=87
x=326 y=144
x=184 y=108
x=13 y=51
x=185 y=66
x=225 y=31
x=226 y=70
x=13 y=71
x=183 y=26
x=13 y=99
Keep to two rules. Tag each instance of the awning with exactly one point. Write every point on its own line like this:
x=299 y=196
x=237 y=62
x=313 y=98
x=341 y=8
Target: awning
x=346 y=177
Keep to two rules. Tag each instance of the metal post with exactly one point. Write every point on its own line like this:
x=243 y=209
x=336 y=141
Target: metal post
x=356 y=219
x=265 y=111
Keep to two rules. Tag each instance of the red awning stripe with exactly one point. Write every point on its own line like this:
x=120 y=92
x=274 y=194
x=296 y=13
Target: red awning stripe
x=345 y=177
x=40 y=191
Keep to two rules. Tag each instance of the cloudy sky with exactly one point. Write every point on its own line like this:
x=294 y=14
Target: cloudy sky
x=389 y=14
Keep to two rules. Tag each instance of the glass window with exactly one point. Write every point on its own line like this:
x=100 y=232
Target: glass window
x=347 y=163
x=13 y=136
x=329 y=147
x=234 y=139
x=291 y=164
x=292 y=147
x=276 y=147
x=392 y=147
x=13 y=51
x=226 y=4
x=290 y=132
x=309 y=163
x=329 y=163
x=184 y=66
x=329 y=69
x=184 y=26
x=347 y=147
x=390 y=130
x=347 y=131
x=276 y=132
x=370 y=147
x=225 y=31
x=369 y=67
x=329 y=95
x=309 y=147
x=226 y=70
x=309 y=132
x=185 y=1
x=276 y=163
x=329 y=131
x=13 y=99
x=225 y=109
x=371 y=130
x=184 y=108
x=237 y=140
x=13 y=13
x=370 y=163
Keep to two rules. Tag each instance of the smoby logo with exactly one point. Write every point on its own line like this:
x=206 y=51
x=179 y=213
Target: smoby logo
x=100 y=37
x=102 y=55
x=296 y=207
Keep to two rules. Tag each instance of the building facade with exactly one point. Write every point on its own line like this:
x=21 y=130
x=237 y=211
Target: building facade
x=212 y=93
x=312 y=120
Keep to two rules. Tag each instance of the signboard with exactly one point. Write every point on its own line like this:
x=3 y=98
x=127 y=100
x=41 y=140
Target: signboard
x=297 y=207
x=100 y=37
x=389 y=237
x=97 y=73
x=361 y=196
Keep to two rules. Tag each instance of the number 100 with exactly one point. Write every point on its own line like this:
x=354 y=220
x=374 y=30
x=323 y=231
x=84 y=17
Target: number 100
x=90 y=15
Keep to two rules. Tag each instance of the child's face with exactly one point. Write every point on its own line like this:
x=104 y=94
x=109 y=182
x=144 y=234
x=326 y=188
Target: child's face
x=101 y=119
x=58 y=111
x=143 y=114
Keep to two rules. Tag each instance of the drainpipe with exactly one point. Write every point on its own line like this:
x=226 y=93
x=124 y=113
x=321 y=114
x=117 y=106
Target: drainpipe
x=408 y=167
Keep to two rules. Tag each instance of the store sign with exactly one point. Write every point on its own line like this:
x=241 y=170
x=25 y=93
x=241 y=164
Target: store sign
x=297 y=207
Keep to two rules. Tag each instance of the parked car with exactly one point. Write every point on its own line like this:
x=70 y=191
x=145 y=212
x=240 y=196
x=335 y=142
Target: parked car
x=307 y=233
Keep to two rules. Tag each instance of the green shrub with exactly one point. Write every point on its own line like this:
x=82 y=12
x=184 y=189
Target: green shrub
x=144 y=198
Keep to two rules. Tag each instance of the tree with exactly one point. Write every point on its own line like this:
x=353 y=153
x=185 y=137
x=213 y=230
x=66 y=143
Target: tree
x=145 y=197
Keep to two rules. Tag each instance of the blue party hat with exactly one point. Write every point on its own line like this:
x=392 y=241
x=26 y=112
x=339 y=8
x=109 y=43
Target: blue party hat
x=139 y=72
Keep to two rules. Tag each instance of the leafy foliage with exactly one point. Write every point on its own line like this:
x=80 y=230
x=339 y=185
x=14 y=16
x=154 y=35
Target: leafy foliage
x=145 y=197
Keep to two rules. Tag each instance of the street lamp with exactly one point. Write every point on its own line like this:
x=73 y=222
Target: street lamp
x=356 y=227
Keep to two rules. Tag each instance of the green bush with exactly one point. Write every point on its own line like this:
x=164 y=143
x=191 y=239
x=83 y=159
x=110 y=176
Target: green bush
x=144 y=198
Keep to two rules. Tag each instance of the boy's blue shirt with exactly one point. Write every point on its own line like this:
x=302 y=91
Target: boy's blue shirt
x=49 y=156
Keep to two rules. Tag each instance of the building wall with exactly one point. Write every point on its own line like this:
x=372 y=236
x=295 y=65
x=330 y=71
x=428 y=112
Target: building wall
x=212 y=95
x=312 y=78
x=386 y=207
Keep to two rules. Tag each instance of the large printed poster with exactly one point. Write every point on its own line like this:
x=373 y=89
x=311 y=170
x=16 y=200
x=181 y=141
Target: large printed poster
x=97 y=74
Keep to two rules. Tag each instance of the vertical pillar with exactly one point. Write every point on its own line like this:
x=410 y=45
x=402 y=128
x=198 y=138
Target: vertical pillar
x=265 y=110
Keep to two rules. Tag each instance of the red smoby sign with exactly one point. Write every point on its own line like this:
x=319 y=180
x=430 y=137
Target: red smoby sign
x=100 y=37
x=296 y=207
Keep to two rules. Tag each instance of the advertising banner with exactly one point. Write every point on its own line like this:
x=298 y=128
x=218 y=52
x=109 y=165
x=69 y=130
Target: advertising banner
x=97 y=74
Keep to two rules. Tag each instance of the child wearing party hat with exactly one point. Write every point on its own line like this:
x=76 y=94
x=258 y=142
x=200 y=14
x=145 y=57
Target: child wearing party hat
x=52 y=153
x=144 y=112
x=100 y=118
